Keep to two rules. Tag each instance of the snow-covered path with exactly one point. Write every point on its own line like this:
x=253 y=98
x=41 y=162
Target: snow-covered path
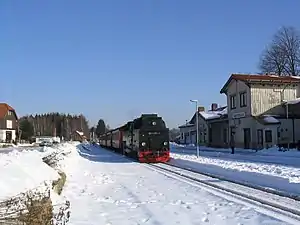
x=105 y=188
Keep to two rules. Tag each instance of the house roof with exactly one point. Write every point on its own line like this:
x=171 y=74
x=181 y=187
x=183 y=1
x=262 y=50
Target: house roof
x=4 y=108
x=209 y=115
x=254 y=78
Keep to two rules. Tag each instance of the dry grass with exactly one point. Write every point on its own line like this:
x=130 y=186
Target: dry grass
x=58 y=185
x=31 y=208
x=39 y=213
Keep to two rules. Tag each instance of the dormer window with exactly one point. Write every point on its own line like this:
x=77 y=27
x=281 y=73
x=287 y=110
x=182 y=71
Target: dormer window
x=232 y=101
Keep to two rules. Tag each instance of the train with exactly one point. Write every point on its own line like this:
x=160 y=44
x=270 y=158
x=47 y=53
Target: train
x=145 y=138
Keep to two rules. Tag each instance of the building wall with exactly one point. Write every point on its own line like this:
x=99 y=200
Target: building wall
x=252 y=124
x=190 y=132
x=235 y=88
x=261 y=99
x=203 y=131
x=272 y=127
x=219 y=134
x=11 y=117
x=3 y=135
x=266 y=97
x=297 y=130
x=289 y=131
x=186 y=136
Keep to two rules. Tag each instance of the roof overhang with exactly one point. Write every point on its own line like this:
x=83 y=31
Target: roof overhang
x=253 y=79
x=186 y=125
x=267 y=120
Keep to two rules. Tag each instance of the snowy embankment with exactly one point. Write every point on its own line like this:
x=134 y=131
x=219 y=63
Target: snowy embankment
x=106 y=188
x=24 y=174
x=257 y=168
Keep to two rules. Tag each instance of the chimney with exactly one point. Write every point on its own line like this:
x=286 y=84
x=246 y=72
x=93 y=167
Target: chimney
x=214 y=106
x=201 y=109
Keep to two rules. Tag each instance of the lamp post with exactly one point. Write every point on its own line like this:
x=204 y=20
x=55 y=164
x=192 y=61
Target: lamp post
x=197 y=137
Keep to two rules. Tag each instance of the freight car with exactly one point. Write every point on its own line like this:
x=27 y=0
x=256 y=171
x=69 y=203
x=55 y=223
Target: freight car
x=145 y=138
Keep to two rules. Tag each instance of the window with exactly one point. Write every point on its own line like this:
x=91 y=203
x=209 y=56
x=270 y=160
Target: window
x=9 y=113
x=232 y=101
x=268 y=136
x=9 y=124
x=243 y=99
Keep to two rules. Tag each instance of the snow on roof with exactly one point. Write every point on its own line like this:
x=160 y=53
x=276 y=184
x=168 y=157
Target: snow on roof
x=267 y=120
x=79 y=132
x=186 y=125
x=296 y=77
x=214 y=114
x=293 y=102
x=270 y=119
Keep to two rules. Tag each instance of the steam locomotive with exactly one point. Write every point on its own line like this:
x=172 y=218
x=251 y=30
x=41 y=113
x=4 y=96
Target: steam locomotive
x=145 y=138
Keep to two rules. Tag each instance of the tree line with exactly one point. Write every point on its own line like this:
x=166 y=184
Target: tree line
x=282 y=55
x=52 y=124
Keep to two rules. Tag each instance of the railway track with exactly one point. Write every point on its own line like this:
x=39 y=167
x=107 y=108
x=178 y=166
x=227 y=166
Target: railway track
x=277 y=206
x=273 y=203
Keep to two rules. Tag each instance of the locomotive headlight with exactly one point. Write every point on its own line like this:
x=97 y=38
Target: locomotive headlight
x=165 y=143
x=143 y=143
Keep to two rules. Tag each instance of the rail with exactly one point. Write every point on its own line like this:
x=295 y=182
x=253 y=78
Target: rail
x=286 y=209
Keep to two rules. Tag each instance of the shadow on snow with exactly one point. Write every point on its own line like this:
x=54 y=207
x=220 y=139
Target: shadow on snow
x=97 y=154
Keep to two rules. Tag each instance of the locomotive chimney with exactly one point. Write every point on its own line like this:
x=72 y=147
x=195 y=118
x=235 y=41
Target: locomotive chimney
x=214 y=106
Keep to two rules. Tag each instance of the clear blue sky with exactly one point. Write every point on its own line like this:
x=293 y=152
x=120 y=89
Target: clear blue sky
x=117 y=59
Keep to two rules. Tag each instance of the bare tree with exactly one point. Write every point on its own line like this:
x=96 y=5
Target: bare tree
x=282 y=56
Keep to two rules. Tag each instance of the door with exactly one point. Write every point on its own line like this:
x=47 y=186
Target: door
x=8 y=136
x=225 y=139
x=210 y=135
x=260 y=140
x=247 y=138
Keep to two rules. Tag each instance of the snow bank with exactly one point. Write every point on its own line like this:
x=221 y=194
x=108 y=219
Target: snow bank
x=25 y=171
x=267 y=152
x=270 y=156
x=289 y=173
x=268 y=168
x=22 y=171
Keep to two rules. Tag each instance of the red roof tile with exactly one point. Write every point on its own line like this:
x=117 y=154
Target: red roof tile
x=4 y=109
x=260 y=78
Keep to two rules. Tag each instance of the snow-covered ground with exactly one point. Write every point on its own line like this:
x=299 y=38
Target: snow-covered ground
x=105 y=188
x=270 y=156
x=22 y=171
x=260 y=168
